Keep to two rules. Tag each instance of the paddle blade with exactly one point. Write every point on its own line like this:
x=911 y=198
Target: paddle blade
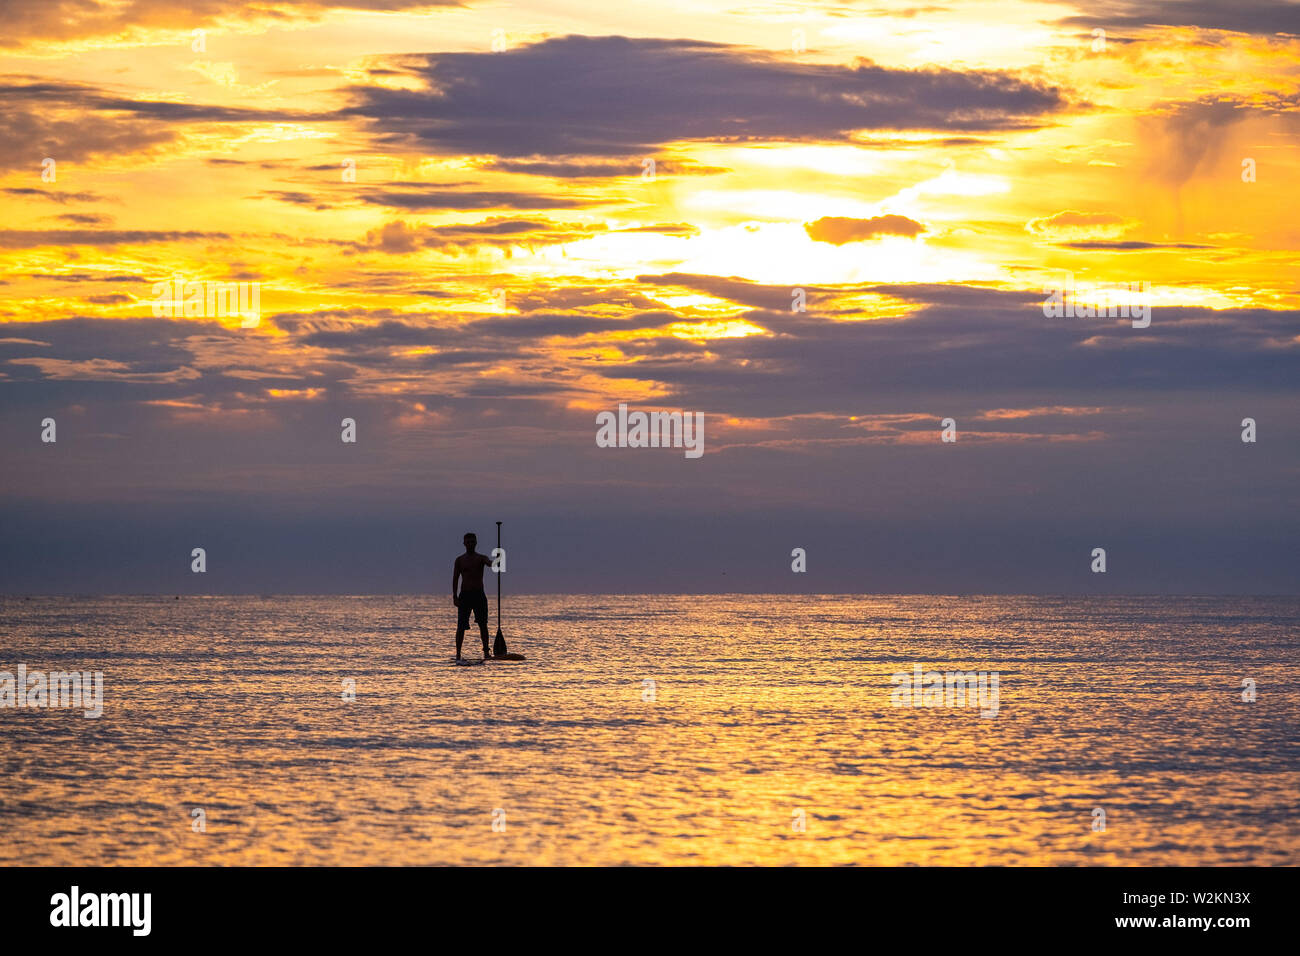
x=499 y=645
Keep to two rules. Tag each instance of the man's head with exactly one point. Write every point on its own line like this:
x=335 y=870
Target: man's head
x=470 y=540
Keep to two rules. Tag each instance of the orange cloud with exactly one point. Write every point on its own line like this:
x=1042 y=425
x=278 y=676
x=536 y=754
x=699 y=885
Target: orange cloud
x=1071 y=224
x=837 y=230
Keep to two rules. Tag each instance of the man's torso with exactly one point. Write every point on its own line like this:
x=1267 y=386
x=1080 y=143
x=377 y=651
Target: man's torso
x=471 y=570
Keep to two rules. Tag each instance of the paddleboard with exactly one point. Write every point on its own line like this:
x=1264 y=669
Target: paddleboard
x=466 y=662
x=508 y=657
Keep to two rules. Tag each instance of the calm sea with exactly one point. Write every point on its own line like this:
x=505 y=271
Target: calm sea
x=651 y=730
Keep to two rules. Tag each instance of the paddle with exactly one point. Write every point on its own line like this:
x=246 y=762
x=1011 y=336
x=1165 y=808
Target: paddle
x=499 y=645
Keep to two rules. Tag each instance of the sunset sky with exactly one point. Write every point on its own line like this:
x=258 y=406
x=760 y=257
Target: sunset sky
x=503 y=266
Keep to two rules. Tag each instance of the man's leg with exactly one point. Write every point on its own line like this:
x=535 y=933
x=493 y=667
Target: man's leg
x=462 y=621
x=482 y=626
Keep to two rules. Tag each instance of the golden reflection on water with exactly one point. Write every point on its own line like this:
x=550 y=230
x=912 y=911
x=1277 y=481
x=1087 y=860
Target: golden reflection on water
x=765 y=710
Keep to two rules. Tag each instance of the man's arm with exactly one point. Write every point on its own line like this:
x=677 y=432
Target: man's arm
x=455 y=579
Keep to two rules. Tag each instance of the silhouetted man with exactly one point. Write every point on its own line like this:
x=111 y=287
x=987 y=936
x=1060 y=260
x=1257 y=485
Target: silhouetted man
x=468 y=571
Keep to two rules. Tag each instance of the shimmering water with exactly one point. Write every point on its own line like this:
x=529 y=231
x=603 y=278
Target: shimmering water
x=763 y=706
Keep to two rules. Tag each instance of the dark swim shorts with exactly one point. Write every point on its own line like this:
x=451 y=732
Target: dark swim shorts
x=472 y=599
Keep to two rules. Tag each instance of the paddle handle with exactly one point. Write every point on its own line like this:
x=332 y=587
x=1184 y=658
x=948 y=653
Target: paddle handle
x=498 y=578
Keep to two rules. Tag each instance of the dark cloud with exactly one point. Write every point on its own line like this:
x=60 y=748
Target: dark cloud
x=76 y=122
x=741 y=291
x=618 y=96
x=602 y=170
x=84 y=277
x=399 y=238
x=1077 y=432
x=224 y=161
x=70 y=138
x=541 y=325
x=114 y=356
x=29 y=20
x=297 y=198
x=1240 y=16
x=34 y=238
x=60 y=196
x=992 y=346
x=667 y=229
x=85 y=219
x=1127 y=245
x=197 y=112
x=991 y=343
x=616 y=300
x=920 y=143
x=423 y=198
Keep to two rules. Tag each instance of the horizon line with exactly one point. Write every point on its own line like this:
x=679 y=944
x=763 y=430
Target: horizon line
x=826 y=594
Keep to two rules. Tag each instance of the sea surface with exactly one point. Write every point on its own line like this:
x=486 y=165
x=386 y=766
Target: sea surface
x=767 y=736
